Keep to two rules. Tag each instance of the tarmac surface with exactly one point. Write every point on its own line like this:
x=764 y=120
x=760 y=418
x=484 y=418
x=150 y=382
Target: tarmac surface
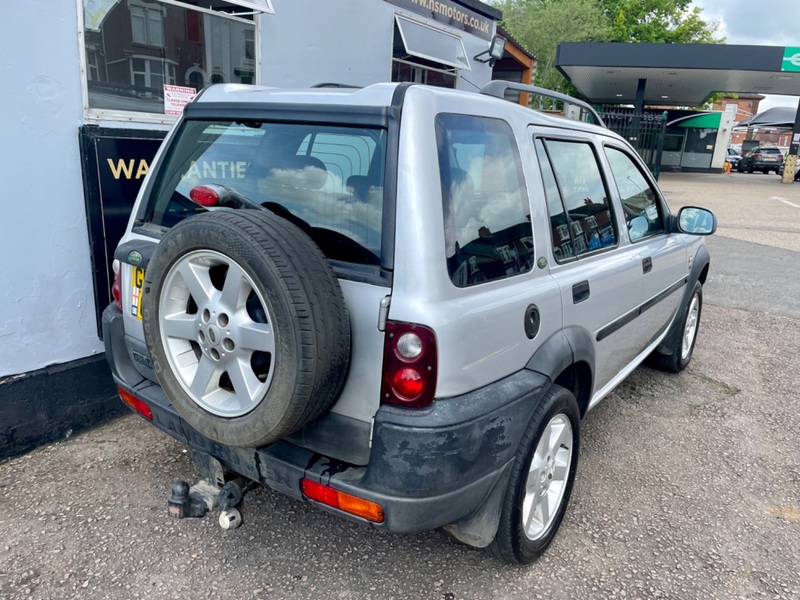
x=688 y=486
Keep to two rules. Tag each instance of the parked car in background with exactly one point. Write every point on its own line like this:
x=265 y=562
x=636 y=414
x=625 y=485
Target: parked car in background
x=796 y=171
x=761 y=158
x=732 y=156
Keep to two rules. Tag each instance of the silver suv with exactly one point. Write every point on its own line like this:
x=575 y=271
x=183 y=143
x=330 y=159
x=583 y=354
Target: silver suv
x=398 y=302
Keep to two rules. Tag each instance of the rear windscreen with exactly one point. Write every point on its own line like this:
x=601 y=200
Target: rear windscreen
x=326 y=180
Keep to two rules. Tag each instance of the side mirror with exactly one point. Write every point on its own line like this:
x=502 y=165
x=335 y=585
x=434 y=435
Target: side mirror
x=638 y=228
x=696 y=221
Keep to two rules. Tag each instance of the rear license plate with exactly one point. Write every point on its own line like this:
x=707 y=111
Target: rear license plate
x=137 y=284
x=769 y=159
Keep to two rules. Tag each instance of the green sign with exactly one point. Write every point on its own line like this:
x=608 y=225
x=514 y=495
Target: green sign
x=791 y=59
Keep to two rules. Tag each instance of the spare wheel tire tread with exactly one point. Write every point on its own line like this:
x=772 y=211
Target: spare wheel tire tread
x=303 y=284
x=324 y=298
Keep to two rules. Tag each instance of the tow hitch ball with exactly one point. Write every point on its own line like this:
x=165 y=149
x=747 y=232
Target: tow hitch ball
x=181 y=504
x=196 y=501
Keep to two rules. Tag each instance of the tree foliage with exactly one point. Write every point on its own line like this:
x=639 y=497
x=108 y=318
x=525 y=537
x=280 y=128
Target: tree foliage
x=540 y=25
x=658 y=22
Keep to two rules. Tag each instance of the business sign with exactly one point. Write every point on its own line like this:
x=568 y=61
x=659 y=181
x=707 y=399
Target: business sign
x=791 y=59
x=115 y=162
x=452 y=14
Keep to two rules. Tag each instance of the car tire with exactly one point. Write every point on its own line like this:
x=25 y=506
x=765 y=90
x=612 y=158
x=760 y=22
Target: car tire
x=750 y=168
x=246 y=326
x=681 y=343
x=541 y=479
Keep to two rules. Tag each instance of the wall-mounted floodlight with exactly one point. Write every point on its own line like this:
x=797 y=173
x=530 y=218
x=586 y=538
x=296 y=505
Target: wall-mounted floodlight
x=495 y=51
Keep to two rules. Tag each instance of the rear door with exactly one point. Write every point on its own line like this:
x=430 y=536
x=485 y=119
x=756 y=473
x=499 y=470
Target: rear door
x=597 y=271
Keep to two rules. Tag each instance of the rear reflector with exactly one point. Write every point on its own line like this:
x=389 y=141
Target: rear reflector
x=344 y=502
x=135 y=403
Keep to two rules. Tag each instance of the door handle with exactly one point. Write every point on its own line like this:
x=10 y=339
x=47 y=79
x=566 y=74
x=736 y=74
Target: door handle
x=580 y=292
x=647 y=265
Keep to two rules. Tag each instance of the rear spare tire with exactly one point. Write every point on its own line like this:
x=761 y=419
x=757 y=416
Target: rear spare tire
x=246 y=326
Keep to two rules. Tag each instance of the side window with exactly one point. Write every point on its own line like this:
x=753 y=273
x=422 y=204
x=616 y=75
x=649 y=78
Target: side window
x=487 y=221
x=639 y=199
x=581 y=219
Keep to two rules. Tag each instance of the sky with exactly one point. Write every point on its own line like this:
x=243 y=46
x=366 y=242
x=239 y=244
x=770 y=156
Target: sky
x=771 y=23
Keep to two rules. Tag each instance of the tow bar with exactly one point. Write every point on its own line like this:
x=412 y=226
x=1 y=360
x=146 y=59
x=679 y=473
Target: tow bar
x=216 y=490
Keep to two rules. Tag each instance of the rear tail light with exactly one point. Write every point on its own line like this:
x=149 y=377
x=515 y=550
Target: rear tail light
x=204 y=195
x=409 y=365
x=780 y=156
x=345 y=502
x=116 y=288
x=135 y=403
x=756 y=156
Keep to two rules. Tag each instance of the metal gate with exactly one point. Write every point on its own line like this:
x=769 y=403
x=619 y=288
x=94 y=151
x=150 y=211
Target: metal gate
x=644 y=131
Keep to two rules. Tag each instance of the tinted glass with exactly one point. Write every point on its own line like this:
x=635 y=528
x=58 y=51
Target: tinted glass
x=581 y=219
x=638 y=198
x=487 y=224
x=327 y=180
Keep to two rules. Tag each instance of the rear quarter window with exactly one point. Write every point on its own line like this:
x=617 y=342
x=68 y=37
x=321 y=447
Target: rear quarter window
x=488 y=233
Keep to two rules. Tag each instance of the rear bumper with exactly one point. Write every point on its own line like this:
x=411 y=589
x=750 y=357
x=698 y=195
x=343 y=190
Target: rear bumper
x=426 y=468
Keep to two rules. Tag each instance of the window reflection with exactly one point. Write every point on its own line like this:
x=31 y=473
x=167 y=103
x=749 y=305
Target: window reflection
x=580 y=213
x=134 y=48
x=487 y=224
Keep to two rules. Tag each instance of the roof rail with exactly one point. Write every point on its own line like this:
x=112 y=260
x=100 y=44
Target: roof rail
x=498 y=88
x=333 y=84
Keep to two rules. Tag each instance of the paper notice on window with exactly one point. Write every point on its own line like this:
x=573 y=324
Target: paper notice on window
x=176 y=97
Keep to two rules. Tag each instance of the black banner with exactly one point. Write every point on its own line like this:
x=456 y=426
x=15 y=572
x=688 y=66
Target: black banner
x=450 y=13
x=115 y=162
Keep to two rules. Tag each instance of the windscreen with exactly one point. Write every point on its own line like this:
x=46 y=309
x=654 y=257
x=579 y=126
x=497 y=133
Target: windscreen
x=327 y=180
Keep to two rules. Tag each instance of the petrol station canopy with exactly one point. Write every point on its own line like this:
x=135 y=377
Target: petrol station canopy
x=676 y=74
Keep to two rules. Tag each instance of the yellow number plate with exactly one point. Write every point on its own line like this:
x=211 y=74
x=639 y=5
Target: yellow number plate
x=137 y=285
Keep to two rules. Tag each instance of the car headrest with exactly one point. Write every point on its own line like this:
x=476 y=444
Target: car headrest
x=358 y=185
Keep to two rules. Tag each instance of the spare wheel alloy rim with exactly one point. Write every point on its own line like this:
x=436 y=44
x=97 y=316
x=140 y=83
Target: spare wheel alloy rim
x=547 y=477
x=217 y=333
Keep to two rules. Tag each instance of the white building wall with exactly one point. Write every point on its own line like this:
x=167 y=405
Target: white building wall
x=344 y=41
x=47 y=312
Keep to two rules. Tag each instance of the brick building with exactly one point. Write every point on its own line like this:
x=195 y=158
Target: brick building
x=745 y=106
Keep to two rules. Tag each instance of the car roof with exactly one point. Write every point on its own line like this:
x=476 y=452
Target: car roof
x=376 y=95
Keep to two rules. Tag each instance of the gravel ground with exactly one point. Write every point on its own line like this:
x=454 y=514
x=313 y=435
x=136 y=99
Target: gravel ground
x=688 y=487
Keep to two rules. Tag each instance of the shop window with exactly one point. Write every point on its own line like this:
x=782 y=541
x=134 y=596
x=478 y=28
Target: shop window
x=431 y=43
x=487 y=223
x=134 y=48
x=424 y=54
